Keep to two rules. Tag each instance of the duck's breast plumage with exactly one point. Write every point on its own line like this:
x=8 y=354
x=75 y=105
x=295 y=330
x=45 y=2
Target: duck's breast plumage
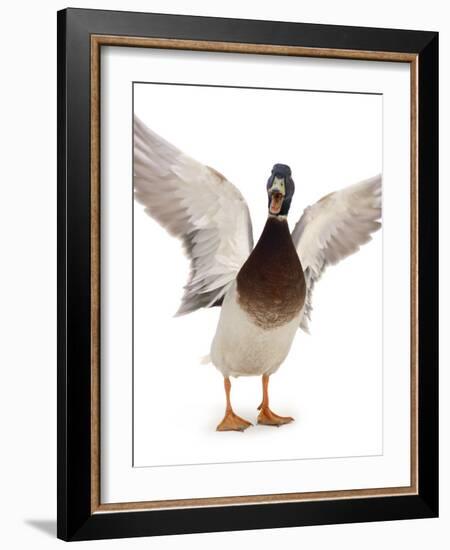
x=261 y=311
x=271 y=285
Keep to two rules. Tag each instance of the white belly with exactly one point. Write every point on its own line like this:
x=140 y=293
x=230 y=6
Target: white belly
x=241 y=348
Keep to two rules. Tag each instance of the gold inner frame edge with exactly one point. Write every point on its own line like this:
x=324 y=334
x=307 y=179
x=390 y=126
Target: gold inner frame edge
x=263 y=49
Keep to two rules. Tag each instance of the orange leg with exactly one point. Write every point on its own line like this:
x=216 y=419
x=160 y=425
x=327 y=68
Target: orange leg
x=266 y=416
x=231 y=421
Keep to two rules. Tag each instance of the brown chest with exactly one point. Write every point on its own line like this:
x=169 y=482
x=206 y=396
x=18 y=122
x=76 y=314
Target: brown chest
x=271 y=285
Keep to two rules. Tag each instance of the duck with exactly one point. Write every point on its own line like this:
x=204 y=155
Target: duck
x=264 y=291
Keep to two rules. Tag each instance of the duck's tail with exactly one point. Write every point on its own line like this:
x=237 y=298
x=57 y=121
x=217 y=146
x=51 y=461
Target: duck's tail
x=205 y=359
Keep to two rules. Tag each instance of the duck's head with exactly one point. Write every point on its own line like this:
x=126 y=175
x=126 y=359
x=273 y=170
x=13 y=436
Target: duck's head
x=280 y=190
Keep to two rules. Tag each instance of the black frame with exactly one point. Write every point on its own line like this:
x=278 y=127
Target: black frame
x=75 y=521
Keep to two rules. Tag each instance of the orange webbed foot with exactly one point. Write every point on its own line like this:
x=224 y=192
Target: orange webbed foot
x=233 y=422
x=269 y=418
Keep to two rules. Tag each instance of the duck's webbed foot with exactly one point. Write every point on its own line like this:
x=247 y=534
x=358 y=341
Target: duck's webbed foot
x=232 y=421
x=269 y=418
x=266 y=416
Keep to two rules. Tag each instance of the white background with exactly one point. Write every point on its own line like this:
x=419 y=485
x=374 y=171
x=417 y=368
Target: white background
x=28 y=289
x=329 y=140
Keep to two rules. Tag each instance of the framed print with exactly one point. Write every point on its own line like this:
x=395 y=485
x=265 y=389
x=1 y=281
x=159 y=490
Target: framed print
x=247 y=271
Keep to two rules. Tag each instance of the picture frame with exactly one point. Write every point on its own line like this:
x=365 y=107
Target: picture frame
x=81 y=36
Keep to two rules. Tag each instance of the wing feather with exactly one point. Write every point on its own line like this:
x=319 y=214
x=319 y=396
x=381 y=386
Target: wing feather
x=198 y=205
x=333 y=228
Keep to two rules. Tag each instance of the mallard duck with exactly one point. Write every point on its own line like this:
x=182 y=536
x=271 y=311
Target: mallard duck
x=264 y=291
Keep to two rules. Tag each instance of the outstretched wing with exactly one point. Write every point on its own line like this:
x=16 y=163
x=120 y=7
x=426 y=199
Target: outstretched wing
x=333 y=228
x=201 y=207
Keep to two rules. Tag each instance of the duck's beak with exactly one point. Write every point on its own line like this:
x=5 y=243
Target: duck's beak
x=276 y=201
